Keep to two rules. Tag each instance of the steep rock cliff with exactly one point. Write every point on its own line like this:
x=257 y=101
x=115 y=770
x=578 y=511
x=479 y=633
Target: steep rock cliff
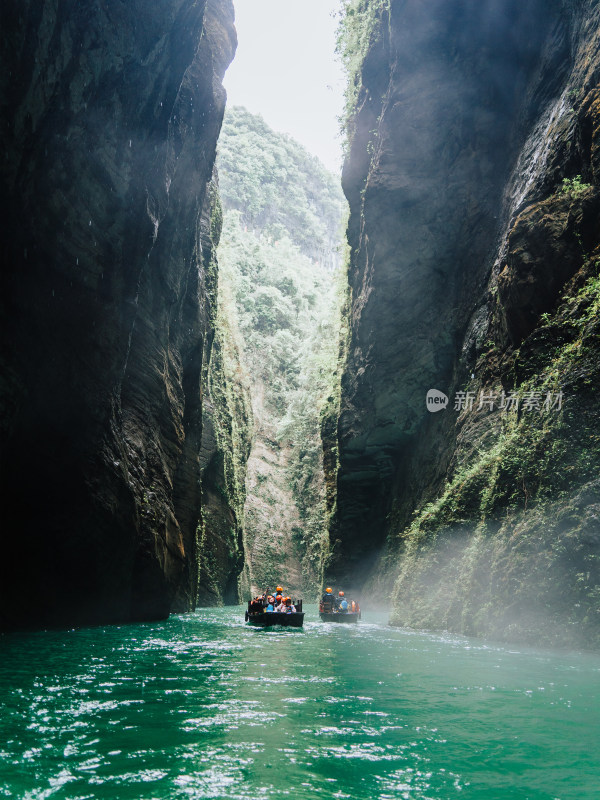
x=224 y=454
x=111 y=114
x=474 y=234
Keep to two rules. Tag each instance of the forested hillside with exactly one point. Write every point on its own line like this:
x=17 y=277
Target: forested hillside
x=279 y=188
x=278 y=285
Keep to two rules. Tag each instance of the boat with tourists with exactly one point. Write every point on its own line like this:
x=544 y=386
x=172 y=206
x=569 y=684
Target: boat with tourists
x=338 y=609
x=275 y=609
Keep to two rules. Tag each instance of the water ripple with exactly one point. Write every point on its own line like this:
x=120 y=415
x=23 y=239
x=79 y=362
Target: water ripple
x=203 y=706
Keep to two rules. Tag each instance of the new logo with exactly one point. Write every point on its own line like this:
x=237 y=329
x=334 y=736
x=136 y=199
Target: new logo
x=436 y=400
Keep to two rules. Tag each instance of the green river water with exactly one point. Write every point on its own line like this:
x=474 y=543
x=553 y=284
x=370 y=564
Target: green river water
x=203 y=706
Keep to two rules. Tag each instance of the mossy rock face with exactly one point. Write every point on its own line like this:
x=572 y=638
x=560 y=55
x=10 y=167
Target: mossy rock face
x=534 y=578
x=428 y=167
x=224 y=452
x=548 y=244
x=474 y=268
x=513 y=543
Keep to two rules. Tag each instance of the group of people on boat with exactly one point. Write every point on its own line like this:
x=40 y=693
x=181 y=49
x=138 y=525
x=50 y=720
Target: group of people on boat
x=277 y=601
x=330 y=604
x=270 y=601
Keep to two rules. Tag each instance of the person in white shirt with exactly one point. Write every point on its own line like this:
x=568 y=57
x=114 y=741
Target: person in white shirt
x=289 y=607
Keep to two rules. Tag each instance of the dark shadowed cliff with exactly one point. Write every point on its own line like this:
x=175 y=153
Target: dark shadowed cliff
x=473 y=184
x=110 y=117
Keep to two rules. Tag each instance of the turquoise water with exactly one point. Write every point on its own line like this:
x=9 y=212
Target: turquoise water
x=202 y=706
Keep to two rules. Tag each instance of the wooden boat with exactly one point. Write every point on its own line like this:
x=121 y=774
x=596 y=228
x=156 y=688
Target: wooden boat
x=339 y=616
x=256 y=615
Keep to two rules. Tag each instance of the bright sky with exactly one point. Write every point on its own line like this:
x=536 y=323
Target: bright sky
x=286 y=69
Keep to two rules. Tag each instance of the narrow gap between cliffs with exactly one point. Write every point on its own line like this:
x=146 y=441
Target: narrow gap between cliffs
x=281 y=287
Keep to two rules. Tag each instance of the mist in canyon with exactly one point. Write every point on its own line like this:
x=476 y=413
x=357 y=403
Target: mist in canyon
x=184 y=421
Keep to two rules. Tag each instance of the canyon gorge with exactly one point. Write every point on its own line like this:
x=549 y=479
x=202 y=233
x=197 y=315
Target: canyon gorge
x=128 y=417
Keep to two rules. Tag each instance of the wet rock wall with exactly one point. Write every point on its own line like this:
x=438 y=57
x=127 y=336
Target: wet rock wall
x=472 y=269
x=110 y=114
